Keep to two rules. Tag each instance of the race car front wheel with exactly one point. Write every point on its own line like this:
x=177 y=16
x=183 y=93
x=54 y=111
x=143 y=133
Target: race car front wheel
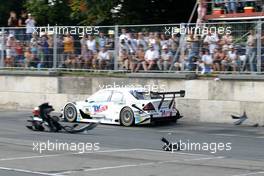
x=70 y=112
x=127 y=117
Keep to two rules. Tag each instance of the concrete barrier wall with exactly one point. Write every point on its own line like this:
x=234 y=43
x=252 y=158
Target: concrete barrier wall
x=206 y=100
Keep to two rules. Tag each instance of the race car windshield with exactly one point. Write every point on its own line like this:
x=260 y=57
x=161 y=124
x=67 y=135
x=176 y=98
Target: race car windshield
x=144 y=95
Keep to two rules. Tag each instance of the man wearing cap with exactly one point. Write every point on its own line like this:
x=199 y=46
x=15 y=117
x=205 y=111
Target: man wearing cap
x=165 y=59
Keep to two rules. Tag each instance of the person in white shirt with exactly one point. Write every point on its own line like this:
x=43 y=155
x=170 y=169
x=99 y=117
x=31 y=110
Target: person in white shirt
x=103 y=58
x=30 y=25
x=234 y=58
x=151 y=57
x=211 y=39
x=91 y=44
x=207 y=62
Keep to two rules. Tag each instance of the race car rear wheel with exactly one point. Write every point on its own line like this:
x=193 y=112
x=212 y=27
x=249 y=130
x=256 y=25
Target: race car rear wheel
x=127 y=117
x=70 y=112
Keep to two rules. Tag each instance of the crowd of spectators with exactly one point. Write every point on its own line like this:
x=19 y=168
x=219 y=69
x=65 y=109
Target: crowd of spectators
x=212 y=52
x=137 y=51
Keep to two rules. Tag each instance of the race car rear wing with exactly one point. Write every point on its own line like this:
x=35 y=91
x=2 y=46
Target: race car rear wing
x=164 y=95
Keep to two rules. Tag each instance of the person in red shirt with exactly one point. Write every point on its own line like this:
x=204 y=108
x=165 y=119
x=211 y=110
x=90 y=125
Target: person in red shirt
x=19 y=54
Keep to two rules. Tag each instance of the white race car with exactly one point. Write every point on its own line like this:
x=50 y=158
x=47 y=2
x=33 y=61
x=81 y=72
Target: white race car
x=124 y=106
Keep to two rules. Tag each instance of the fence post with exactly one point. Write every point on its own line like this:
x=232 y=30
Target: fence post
x=116 y=48
x=3 y=47
x=259 y=26
x=55 y=47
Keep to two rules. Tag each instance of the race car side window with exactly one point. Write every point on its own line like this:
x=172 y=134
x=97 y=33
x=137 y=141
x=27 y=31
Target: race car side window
x=101 y=96
x=117 y=97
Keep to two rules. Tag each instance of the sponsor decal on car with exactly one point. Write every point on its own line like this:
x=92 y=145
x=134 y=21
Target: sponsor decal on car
x=99 y=108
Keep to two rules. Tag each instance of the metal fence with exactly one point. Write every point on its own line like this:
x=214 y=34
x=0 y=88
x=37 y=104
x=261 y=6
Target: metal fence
x=208 y=48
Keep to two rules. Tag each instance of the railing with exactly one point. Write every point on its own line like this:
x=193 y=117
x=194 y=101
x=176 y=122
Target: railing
x=176 y=47
x=233 y=6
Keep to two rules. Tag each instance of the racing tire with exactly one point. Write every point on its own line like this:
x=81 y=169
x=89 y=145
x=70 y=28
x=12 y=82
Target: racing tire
x=127 y=117
x=70 y=113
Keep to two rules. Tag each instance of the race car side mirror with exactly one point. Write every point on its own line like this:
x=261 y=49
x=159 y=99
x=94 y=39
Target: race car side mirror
x=182 y=93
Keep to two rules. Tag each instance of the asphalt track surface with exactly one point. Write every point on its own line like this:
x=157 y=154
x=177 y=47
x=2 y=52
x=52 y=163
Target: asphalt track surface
x=134 y=151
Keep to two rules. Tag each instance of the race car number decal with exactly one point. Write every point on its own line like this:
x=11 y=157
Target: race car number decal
x=99 y=108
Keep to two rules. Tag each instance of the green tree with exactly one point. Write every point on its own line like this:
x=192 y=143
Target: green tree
x=7 y=6
x=92 y=12
x=52 y=12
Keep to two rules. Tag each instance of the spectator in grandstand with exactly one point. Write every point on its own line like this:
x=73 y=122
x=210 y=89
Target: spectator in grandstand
x=91 y=44
x=207 y=62
x=103 y=59
x=22 y=23
x=34 y=44
x=174 y=40
x=83 y=43
x=12 y=22
x=151 y=39
x=151 y=57
x=10 y=50
x=157 y=41
x=231 y=6
x=86 y=59
x=194 y=51
x=28 y=57
x=138 y=59
x=201 y=10
x=218 y=57
x=251 y=52
x=124 y=55
x=219 y=3
x=30 y=25
x=19 y=59
x=44 y=49
x=132 y=47
x=68 y=43
x=110 y=44
x=165 y=60
x=178 y=58
x=163 y=40
x=102 y=40
x=123 y=35
x=212 y=40
x=234 y=58
x=226 y=41
x=71 y=61
x=50 y=49
x=60 y=50
x=225 y=61
x=2 y=48
x=141 y=41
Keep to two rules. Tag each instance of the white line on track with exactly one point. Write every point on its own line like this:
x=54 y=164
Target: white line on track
x=140 y=164
x=103 y=151
x=180 y=153
x=252 y=173
x=65 y=154
x=27 y=171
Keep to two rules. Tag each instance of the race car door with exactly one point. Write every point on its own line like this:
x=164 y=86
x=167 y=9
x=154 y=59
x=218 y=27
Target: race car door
x=98 y=104
x=116 y=103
